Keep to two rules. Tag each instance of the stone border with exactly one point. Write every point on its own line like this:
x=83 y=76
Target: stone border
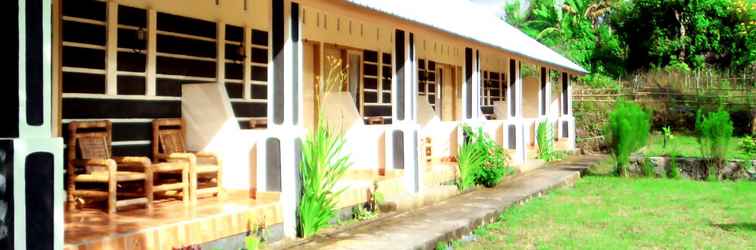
x=692 y=167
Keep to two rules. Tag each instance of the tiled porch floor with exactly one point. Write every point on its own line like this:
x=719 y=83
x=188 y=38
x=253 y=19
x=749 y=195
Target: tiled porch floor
x=169 y=224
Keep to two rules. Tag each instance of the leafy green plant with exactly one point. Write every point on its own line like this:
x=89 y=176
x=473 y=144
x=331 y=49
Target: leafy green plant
x=470 y=160
x=748 y=144
x=495 y=161
x=715 y=132
x=322 y=165
x=545 y=139
x=673 y=171
x=255 y=238
x=361 y=213
x=481 y=160
x=648 y=168
x=627 y=131
x=668 y=136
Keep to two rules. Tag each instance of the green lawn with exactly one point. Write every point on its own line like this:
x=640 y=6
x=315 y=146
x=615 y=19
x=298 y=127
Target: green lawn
x=626 y=213
x=687 y=146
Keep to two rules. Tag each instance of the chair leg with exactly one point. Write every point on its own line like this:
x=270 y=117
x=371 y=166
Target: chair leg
x=148 y=187
x=112 y=193
x=193 y=184
x=185 y=184
x=71 y=199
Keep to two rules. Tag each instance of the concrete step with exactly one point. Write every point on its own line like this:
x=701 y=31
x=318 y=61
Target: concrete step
x=408 y=201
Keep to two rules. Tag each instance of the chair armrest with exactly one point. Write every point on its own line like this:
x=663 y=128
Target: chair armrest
x=207 y=156
x=107 y=164
x=182 y=157
x=133 y=163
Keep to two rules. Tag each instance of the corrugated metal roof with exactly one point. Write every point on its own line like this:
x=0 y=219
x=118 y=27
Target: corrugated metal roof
x=465 y=19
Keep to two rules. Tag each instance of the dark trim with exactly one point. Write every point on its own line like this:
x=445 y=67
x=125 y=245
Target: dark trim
x=186 y=46
x=249 y=109
x=259 y=92
x=95 y=10
x=34 y=63
x=186 y=25
x=235 y=90
x=9 y=88
x=398 y=147
x=132 y=85
x=512 y=137
x=278 y=24
x=543 y=91
x=512 y=88
x=259 y=37
x=295 y=61
x=131 y=16
x=273 y=164
x=83 y=32
x=132 y=150
x=565 y=129
x=39 y=171
x=377 y=111
x=81 y=108
x=83 y=57
x=234 y=33
x=125 y=131
x=73 y=82
x=399 y=73
x=132 y=62
x=565 y=94
x=413 y=77
x=469 y=82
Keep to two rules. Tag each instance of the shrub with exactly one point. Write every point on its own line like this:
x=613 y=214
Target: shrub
x=748 y=144
x=715 y=132
x=485 y=162
x=626 y=132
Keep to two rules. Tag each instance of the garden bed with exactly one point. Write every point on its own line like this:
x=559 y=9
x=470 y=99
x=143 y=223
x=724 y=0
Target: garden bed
x=694 y=168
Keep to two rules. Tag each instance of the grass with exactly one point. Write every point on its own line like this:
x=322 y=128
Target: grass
x=622 y=213
x=687 y=146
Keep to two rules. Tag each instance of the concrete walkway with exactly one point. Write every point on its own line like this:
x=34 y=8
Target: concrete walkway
x=452 y=218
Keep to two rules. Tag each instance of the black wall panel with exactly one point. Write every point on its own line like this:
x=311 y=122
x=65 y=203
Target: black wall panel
x=132 y=85
x=83 y=83
x=185 y=25
x=80 y=108
x=40 y=200
x=84 y=33
x=89 y=9
x=247 y=109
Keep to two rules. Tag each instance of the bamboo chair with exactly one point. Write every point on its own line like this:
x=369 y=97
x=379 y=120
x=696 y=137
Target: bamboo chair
x=94 y=174
x=168 y=145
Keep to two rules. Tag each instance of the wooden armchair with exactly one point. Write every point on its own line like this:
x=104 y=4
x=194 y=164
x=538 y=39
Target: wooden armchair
x=94 y=174
x=168 y=145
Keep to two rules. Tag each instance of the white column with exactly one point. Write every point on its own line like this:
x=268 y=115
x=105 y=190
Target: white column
x=151 y=52
x=514 y=125
x=402 y=139
x=111 y=74
x=247 y=45
x=285 y=126
x=220 y=55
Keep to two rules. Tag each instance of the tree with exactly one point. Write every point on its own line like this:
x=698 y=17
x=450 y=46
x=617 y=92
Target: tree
x=691 y=32
x=576 y=29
